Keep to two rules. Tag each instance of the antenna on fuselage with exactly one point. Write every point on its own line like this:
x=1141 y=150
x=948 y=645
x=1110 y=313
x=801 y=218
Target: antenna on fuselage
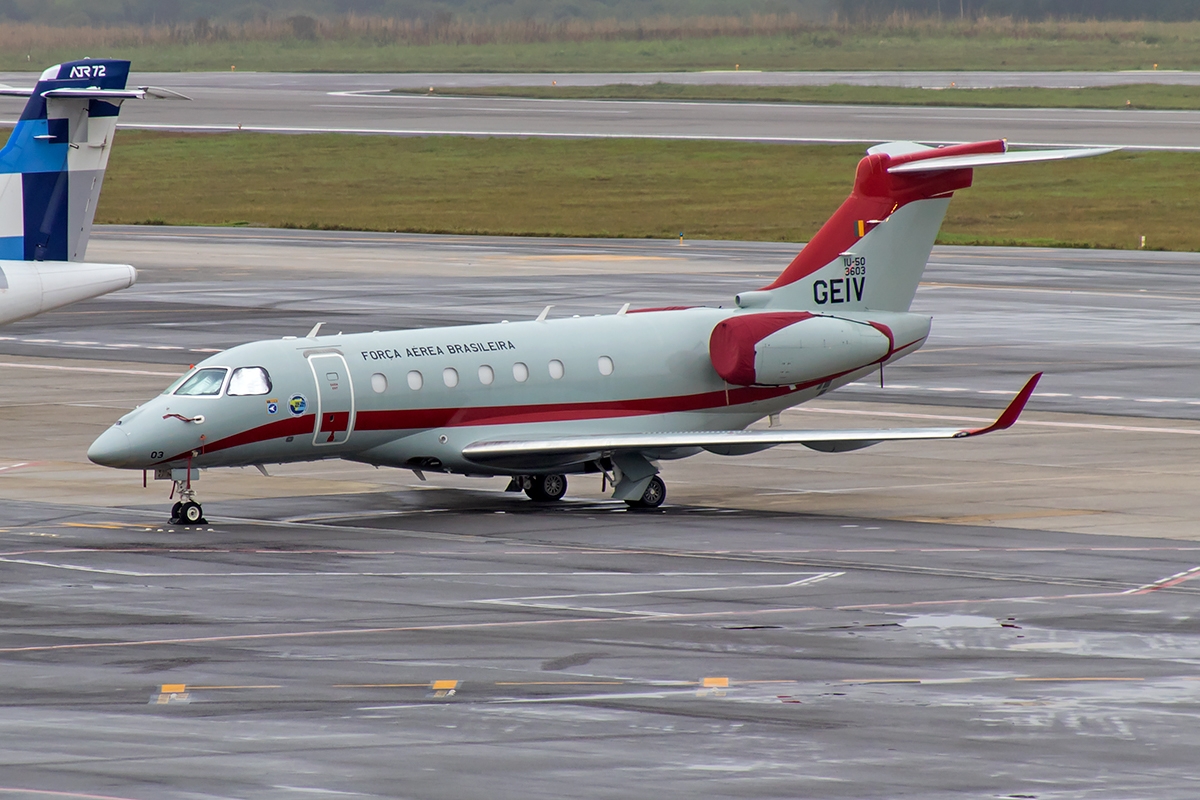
x=624 y=310
x=545 y=313
x=313 y=333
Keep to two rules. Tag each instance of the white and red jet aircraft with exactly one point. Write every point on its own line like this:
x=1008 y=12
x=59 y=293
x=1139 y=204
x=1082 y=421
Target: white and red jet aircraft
x=543 y=399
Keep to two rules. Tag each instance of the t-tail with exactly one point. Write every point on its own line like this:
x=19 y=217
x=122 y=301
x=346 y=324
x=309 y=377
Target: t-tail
x=52 y=167
x=871 y=253
x=51 y=171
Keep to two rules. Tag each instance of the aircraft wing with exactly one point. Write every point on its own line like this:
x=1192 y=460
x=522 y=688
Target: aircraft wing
x=522 y=452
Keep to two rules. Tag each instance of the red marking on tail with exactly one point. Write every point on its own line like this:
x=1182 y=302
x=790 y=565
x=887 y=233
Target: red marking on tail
x=876 y=195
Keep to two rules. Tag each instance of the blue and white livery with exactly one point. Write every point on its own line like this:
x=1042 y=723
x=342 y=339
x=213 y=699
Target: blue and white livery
x=51 y=172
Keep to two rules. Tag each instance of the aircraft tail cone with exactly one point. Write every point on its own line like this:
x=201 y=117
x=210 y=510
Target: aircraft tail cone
x=72 y=281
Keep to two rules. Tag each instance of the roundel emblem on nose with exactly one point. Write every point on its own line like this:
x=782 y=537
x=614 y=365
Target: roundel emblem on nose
x=297 y=404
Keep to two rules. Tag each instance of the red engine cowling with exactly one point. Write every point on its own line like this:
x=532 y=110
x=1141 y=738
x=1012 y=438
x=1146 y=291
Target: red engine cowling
x=790 y=348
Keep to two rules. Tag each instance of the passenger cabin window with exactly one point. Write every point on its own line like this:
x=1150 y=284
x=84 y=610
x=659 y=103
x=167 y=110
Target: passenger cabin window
x=249 y=381
x=204 y=382
x=486 y=375
x=379 y=383
x=605 y=365
x=415 y=381
x=450 y=377
x=520 y=372
x=556 y=369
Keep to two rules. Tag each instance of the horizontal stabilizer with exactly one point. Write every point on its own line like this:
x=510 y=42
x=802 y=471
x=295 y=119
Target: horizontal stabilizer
x=159 y=93
x=936 y=163
x=894 y=149
x=91 y=93
x=590 y=447
x=156 y=92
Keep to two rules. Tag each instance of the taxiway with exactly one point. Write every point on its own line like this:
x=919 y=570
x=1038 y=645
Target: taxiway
x=362 y=104
x=1007 y=617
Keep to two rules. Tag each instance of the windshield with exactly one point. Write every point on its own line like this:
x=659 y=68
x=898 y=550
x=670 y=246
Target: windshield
x=249 y=381
x=175 y=384
x=203 y=382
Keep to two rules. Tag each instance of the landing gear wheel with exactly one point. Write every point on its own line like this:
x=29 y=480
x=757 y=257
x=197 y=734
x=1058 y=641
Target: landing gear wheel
x=175 y=509
x=192 y=514
x=546 y=488
x=653 y=497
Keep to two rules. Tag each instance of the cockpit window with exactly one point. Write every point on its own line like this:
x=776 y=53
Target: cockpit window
x=250 y=380
x=175 y=383
x=203 y=382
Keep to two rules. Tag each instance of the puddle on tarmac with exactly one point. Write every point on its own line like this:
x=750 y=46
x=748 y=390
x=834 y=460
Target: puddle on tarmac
x=944 y=621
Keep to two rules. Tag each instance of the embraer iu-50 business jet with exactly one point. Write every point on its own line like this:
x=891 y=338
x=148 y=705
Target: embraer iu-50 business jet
x=546 y=398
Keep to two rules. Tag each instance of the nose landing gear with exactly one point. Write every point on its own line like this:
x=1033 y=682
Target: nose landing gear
x=187 y=511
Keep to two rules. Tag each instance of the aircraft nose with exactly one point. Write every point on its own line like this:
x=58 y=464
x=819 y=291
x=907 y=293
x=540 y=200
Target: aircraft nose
x=111 y=449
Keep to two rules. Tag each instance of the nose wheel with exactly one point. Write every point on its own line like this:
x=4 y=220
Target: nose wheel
x=187 y=511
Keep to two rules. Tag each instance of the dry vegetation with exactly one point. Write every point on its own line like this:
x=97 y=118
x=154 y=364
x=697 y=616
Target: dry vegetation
x=763 y=42
x=450 y=30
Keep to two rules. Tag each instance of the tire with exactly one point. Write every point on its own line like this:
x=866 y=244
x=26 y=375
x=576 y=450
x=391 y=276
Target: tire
x=175 y=509
x=547 y=488
x=654 y=496
x=191 y=514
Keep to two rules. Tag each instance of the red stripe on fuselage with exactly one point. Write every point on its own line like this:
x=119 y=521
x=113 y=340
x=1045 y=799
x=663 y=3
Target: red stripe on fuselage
x=425 y=418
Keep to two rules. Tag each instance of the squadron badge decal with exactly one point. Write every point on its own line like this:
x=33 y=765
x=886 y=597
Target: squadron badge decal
x=298 y=404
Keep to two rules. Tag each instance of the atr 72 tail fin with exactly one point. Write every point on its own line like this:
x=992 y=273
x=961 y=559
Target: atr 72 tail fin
x=53 y=165
x=871 y=253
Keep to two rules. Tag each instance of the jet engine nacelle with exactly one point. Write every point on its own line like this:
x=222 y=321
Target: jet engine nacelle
x=789 y=348
x=31 y=287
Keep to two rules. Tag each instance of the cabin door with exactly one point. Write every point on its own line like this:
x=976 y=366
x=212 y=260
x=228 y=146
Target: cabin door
x=335 y=398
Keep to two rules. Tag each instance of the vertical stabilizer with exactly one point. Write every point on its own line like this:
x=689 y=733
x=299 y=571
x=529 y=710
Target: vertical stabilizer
x=871 y=253
x=52 y=167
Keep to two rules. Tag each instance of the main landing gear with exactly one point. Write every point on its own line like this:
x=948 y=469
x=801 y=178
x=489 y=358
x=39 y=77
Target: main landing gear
x=549 y=488
x=545 y=488
x=653 y=497
x=540 y=488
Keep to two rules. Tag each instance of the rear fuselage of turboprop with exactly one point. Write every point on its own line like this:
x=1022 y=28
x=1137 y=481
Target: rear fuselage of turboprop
x=415 y=398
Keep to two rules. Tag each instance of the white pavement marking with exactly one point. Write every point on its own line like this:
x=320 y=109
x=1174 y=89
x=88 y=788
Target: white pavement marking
x=1167 y=582
x=1094 y=426
x=532 y=601
x=15 y=365
x=864 y=385
x=506 y=134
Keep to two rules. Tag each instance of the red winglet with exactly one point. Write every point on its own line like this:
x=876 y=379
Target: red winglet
x=1010 y=414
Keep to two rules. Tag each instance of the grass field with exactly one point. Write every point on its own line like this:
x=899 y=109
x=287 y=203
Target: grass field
x=626 y=188
x=784 y=42
x=1139 y=96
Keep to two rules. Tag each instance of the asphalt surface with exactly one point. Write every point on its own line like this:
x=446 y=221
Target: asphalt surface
x=361 y=104
x=900 y=622
x=1114 y=331
x=461 y=644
